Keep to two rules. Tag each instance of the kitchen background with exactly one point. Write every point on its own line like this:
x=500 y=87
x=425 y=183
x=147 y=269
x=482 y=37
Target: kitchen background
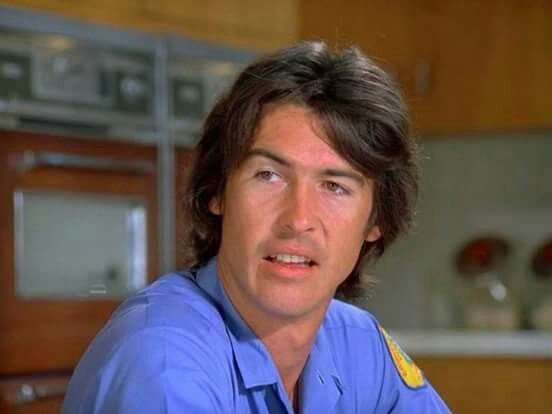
x=100 y=104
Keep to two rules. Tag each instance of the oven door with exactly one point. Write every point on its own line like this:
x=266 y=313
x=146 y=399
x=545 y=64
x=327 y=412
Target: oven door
x=77 y=235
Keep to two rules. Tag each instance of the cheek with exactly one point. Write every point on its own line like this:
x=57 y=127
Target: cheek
x=347 y=217
x=245 y=217
x=348 y=233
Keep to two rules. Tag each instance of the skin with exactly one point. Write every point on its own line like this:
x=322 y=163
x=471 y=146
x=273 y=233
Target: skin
x=292 y=194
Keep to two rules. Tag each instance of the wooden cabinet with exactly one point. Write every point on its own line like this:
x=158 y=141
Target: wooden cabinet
x=246 y=23
x=491 y=385
x=465 y=66
x=243 y=23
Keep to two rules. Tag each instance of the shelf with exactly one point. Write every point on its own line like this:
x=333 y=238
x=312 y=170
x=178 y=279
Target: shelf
x=461 y=343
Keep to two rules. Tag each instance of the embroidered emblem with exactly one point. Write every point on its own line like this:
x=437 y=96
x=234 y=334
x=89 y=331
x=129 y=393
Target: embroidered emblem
x=411 y=375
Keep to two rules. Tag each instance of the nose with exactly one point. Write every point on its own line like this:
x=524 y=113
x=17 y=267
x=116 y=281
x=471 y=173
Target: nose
x=299 y=210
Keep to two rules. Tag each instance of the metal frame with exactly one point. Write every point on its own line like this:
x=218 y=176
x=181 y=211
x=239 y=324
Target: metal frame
x=165 y=165
x=32 y=159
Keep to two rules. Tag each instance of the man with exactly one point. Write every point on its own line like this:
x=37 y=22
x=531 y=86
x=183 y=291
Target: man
x=304 y=171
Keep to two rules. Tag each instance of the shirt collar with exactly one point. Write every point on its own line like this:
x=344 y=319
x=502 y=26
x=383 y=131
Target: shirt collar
x=320 y=380
x=254 y=362
x=321 y=384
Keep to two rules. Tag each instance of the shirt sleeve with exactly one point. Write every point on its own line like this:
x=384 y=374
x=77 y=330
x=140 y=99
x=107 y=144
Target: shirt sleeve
x=155 y=372
x=406 y=390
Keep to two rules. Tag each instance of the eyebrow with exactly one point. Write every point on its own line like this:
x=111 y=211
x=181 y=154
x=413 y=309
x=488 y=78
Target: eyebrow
x=326 y=172
x=259 y=152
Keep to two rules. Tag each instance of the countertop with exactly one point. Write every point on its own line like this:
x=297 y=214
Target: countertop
x=528 y=344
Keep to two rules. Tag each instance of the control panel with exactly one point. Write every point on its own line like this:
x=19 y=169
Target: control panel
x=62 y=81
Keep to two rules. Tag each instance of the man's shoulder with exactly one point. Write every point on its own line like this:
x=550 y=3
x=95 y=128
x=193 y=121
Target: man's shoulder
x=173 y=302
x=164 y=333
x=344 y=316
x=349 y=327
x=170 y=314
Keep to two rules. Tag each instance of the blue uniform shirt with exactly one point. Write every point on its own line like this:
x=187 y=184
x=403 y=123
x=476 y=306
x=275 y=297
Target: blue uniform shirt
x=179 y=346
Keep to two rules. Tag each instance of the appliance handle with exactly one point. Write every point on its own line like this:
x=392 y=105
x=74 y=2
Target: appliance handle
x=30 y=160
x=28 y=393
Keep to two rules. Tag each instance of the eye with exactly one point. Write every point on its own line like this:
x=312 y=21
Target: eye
x=267 y=175
x=336 y=188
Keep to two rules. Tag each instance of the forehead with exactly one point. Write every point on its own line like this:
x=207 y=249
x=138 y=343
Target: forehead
x=295 y=132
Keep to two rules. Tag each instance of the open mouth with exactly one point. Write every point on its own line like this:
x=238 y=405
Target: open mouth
x=291 y=260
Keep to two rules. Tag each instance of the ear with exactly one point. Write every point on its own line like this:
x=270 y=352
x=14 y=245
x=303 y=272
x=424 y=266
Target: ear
x=373 y=234
x=215 y=206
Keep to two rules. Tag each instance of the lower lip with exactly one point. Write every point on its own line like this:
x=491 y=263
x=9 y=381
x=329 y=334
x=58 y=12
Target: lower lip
x=289 y=270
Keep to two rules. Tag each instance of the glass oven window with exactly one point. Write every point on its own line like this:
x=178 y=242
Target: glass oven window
x=79 y=245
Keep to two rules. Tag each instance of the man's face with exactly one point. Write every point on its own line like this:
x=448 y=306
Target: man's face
x=294 y=217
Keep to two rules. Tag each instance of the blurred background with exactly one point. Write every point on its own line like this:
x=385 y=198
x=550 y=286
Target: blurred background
x=100 y=107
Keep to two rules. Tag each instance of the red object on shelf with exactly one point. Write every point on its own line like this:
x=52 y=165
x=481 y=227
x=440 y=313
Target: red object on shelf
x=541 y=263
x=482 y=254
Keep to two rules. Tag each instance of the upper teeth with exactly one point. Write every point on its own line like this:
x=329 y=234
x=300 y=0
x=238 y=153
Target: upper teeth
x=290 y=258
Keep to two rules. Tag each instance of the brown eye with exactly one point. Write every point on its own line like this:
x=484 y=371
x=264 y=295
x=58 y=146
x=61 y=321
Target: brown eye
x=266 y=175
x=335 y=188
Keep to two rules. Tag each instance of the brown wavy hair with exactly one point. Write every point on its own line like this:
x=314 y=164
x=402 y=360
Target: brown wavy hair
x=362 y=113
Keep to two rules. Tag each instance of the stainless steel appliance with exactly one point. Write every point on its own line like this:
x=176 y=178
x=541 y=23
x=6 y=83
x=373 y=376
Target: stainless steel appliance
x=79 y=137
x=76 y=79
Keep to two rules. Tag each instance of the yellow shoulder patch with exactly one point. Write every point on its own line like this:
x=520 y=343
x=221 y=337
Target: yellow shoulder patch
x=411 y=375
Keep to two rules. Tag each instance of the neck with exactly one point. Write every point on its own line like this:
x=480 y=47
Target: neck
x=289 y=344
x=289 y=349
x=288 y=339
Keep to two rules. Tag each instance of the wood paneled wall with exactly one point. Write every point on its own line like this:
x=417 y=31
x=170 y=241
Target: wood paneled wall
x=466 y=66
x=241 y=23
